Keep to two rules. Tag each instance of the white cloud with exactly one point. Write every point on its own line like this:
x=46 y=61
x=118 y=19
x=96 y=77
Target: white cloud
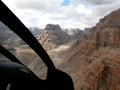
x=94 y=2
x=40 y=5
x=82 y=9
x=102 y=10
x=79 y=13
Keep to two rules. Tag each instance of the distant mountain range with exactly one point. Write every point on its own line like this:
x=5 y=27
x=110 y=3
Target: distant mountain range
x=75 y=33
x=35 y=31
x=52 y=36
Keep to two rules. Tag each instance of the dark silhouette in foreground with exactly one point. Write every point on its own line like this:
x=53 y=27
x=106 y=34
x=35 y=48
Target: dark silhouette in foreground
x=15 y=75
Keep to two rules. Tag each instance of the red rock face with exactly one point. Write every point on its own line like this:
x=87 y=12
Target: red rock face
x=94 y=61
x=99 y=71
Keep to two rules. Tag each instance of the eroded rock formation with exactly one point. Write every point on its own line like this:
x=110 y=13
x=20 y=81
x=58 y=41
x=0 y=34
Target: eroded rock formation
x=94 y=61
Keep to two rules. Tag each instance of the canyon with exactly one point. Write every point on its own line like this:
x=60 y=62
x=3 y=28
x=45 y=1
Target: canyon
x=90 y=57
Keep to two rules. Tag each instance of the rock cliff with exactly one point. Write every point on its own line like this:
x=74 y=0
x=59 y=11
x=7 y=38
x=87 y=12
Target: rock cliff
x=94 y=60
x=52 y=36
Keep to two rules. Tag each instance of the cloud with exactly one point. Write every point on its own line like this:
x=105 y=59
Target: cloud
x=41 y=5
x=102 y=10
x=94 y=2
x=77 y=13
x=99 y=7
x=83 y=10
x=96 y=9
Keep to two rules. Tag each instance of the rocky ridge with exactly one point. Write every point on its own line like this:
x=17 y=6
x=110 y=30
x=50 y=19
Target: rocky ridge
x=94 y=60
x=52 y=36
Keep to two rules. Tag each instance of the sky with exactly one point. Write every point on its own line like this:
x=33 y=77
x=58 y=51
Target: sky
x=67 y=13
